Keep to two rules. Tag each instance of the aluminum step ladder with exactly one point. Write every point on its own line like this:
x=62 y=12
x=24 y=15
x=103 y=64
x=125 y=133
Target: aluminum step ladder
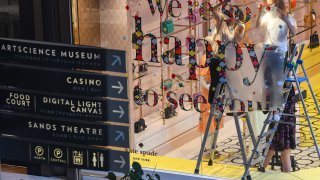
x=258 y=153
x=290 y=80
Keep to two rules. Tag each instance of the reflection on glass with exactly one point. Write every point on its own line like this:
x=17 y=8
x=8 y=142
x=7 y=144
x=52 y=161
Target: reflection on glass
x=9 y=18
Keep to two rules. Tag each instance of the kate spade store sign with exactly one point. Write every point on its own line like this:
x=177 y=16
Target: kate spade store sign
x=69 y=156
x=90 y=109
x=71 y=132
x=61 y=56
x=71 y=82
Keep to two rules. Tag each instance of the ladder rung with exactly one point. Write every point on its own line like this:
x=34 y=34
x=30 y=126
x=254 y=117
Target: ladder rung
x=281 y=122
x=260 y=158
x=245 y=137
x=242 y=115
x=269 y=132
x=299 y=79
x=285 y=90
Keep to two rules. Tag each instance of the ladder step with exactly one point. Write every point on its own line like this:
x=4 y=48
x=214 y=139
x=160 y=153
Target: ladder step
x=256 y=161
x=245 y=137
x=299 y=79
x=285 y=90
x=242 y=115
x=269 y=132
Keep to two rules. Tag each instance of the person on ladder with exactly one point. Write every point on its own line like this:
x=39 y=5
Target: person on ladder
x=209 y=77
x=277 y=23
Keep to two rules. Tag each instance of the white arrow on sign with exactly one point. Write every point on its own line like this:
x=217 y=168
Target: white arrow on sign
x=121 y=112
x=120 y=135
x=116 y=59
x=120 y=87
x=122 y=162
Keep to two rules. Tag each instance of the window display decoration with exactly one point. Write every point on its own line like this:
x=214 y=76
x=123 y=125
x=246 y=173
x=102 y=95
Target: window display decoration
x=203 y=10
x=142 y=68
x=153 y=10
x=192 y=57
x=248 y=14
x=314 y=40
x=254 y=61
x=171 y=100
x=233 y=12
x=170 y=8
x=182 y=100
x=177 y=51
x=170 y=112
x=197 y=101
x=167 y=84
x=139 y=96
x=137 y=39
x=155 y=98
x=293 y=4
x=196 y=18
x=140 y=125
x=167 y=27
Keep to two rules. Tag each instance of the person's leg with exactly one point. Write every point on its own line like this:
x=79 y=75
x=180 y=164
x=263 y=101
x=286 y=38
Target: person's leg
x=285 y=160
x=268 y=158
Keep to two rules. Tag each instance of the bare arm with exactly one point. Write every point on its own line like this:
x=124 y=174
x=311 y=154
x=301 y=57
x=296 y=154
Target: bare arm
x=291 y=27
x=258 y=22
x=217 y=15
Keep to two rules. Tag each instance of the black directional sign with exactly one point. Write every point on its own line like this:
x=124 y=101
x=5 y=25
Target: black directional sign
x=71 y=132
x=69 y=156
x=62 y=56
x=89 y=109
x=81 y=83
x=57 y=112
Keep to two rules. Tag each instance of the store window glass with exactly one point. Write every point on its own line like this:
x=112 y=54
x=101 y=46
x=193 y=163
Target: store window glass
x=170 y=139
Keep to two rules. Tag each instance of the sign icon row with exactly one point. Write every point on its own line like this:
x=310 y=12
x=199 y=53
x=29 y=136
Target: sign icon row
x=78 y=157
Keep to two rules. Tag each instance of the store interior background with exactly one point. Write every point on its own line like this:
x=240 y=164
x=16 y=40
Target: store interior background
x=107 y=24
x=178 y=137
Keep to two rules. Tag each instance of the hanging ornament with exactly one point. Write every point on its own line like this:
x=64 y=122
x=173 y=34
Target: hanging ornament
x=173 y=76
x=127 y=7
x=268 y=8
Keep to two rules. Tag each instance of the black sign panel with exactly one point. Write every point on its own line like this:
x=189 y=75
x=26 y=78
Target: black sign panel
x=70 y=156
x=88 y=109
x=69 y=132
x=61 y=56
x=81 y=83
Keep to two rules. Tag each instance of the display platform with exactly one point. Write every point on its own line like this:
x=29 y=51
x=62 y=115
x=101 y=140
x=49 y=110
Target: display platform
x=217 y=172
x=224 y=171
